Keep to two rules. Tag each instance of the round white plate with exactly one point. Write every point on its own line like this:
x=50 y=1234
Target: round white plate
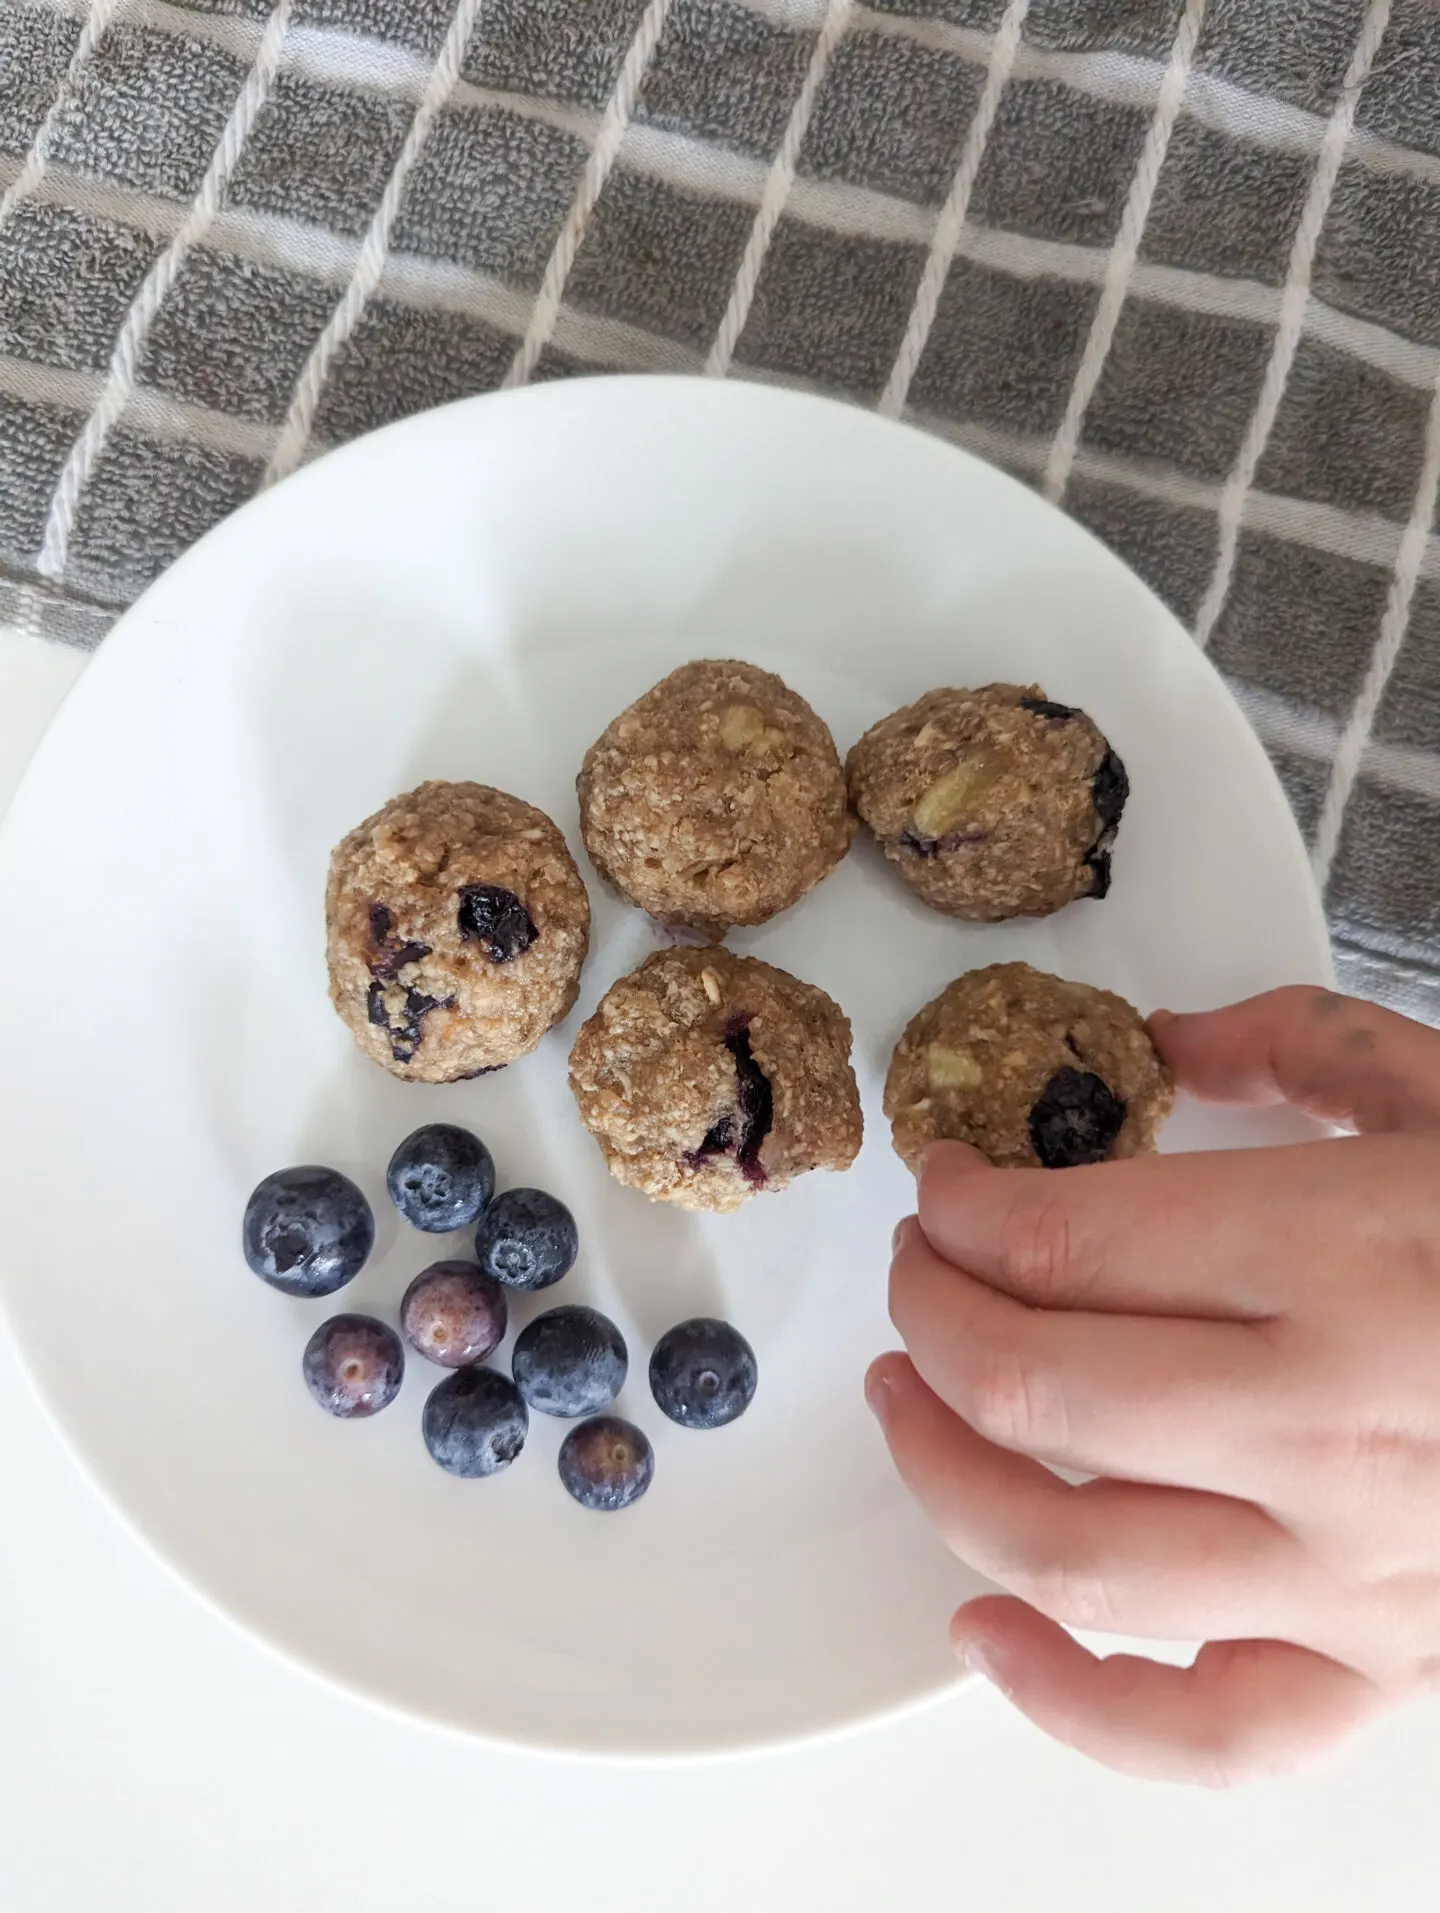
x=474 y=594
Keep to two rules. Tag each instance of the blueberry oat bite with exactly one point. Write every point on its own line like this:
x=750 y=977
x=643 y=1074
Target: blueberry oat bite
x=707 y=1077
x=992 y=803
x=456 y=927
x=1030 y=1069
x=716 y=799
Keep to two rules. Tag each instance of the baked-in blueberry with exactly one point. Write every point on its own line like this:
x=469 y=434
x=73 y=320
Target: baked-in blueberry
x=1110 y=790
x=526 y=1239
x=475 y=1422
x=454 y=1314
x=497 y=919
x=1046 y=707
x=1076 y=1119
x=606 y=1464
x=570 y=1361
x=441 y=1177
x=307 y=1230
x=353 y=1366
x=703 y=1373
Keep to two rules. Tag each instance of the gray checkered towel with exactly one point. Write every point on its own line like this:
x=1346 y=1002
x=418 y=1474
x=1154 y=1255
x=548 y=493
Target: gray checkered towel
x=1176 y=262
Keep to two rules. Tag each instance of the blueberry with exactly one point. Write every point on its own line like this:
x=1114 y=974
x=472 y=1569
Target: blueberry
x=1075 y=1120
x=454 y=1314
x=933 y=846
x=702 y=1373
x=404 y=1025
x=497 y=919
x=756 y=1106
x=1042 y=707
x=607 y=1464
x=1110 y=791
x=440 y=1178
x=475 y=1422
x=526 y=1239
x=307 y=1230
x=742 y=1132
x=392 y=952
x=353 y=1366
x=570 y=1361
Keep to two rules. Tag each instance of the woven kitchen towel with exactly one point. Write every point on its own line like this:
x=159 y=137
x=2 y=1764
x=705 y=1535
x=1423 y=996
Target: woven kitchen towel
x=1175 y=262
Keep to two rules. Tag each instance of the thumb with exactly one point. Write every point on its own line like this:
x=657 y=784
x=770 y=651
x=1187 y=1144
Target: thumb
x=1340 y=1059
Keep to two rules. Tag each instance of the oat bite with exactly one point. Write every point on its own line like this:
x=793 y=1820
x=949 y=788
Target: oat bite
x=1031 y=1069
x=992 y=803
x=456 y=926
x=716 y=799
x=707 y=1077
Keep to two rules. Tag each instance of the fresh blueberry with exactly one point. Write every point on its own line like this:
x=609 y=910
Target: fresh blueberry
x=570 y=1361
x=703 y=1374
x=497 y=919
x=440 y=1178
x=607 y=1464
x=307 y=1230
x=475 y=1422
x=1042 y=707
x=526 y=1239
x=454 y=1314
x=1075 y=1120
x=353 y=1366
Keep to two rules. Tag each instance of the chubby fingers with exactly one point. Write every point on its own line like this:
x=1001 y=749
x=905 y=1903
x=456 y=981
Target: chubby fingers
x=1244 y=1710
x=1343 y=1060
x=1146 y=1397
x=1129 y=1559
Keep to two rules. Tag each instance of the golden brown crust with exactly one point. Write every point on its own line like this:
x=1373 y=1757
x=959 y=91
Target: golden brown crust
x=423 y=997
x=986 y=809
x=972 y=1065
x=660 y=1086
x=716 y=799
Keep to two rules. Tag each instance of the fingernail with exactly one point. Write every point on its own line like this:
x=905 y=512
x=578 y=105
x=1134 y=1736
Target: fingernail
x=902 y=1230
x=962 y=1156
x=985 y=1658
x=1162 y=1016
x=877 y=1391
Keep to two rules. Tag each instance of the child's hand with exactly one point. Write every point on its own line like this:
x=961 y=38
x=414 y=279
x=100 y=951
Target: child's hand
x=1245 y=1349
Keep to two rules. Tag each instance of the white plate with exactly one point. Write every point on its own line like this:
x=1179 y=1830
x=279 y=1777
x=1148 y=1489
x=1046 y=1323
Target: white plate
x=473 y=594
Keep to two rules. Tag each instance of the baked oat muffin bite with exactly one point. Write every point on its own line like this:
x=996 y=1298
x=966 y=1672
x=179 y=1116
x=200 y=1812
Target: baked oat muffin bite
x=1031 y=1069
x=706 y=1077
x=456 y=924
x=716 y=799
x=992 y=803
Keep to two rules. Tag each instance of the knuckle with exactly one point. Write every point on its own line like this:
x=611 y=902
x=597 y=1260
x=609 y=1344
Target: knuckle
x=1038 y=1251
x=1017 y=1404
x=1073 y=1593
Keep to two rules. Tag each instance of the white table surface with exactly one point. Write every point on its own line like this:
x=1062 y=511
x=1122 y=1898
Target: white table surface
x=153 y=1758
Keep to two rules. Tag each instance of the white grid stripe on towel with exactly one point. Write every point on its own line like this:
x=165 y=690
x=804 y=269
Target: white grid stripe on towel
x=32 y=169
x=777 y=189
x=1350 y=751
x=603 y=154
x=1120 y=267
x=343 y=57
x=370 y=265
x=951 y=223
x=1293 y=303
x=130 y=343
